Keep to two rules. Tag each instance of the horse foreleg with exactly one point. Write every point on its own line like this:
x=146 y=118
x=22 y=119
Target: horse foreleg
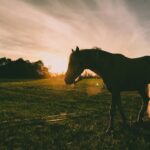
x=112 y=113
x=121 y=111
x=144 y=105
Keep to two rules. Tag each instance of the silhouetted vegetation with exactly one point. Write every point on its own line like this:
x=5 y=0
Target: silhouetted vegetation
x=21 y=68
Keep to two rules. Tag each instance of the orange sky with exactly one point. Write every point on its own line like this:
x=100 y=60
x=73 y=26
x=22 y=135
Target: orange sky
x=47 y=30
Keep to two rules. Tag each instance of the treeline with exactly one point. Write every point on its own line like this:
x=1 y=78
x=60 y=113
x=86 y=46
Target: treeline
x=21 y=68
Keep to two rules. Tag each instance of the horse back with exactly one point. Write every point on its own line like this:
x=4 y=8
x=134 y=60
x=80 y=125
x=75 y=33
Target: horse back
x=130 y=74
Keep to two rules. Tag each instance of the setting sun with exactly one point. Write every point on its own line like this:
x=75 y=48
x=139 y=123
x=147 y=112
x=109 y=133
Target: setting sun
x=56 y=63
x=56 y=66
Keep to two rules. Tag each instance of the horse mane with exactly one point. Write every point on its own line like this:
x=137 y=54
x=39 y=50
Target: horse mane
x=106 y=52
x=96 y=49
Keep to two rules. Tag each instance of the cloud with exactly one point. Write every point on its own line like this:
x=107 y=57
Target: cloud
x=49 y=29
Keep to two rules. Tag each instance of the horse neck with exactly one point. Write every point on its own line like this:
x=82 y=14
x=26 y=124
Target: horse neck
x=98 y=62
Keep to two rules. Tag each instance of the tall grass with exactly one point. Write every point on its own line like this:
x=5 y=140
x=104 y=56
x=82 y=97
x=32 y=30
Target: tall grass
x=47 y=114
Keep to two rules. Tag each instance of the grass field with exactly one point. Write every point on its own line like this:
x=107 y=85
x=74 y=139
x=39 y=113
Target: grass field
x=46 y=114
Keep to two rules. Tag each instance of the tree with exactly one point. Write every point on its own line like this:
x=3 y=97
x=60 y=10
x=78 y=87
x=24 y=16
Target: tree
x=21 y=68
x=4 y=61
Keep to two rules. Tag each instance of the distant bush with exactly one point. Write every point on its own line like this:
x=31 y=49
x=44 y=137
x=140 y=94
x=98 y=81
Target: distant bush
x=21 y=68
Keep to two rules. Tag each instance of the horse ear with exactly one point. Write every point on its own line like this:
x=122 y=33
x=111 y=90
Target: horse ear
x=77 y=49
x=72 y=50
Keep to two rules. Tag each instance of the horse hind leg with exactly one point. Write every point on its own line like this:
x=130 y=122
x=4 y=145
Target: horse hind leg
x=112 y=113
x=145 y=100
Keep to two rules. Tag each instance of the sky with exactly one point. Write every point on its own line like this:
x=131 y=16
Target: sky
x=49 y=29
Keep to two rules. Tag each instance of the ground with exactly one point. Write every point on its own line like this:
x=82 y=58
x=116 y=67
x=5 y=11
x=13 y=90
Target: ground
x=47 y=114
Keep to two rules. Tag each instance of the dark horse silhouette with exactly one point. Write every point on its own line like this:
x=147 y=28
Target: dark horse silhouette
x=118 y=72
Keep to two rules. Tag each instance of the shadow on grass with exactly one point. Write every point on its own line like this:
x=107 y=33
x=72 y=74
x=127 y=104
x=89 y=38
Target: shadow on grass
x=31 y=134
x=70 y=131
x=141 y=129
x=134 y=137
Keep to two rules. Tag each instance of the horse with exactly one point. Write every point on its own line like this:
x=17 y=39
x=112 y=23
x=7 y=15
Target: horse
x=118 y=72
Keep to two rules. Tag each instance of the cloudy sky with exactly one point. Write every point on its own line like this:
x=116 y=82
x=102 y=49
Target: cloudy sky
x=48 y=29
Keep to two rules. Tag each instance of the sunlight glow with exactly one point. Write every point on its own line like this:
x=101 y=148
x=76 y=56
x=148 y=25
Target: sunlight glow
x=58 y=68
x=55 y=63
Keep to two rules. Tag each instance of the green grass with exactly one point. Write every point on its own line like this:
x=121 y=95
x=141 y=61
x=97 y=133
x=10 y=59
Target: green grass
x=47 y=114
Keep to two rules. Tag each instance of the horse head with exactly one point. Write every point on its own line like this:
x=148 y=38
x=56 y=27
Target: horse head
x=75 y=67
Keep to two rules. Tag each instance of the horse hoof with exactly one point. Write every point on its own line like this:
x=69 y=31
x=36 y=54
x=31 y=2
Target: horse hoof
x=109 y=132
x=140 y=122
